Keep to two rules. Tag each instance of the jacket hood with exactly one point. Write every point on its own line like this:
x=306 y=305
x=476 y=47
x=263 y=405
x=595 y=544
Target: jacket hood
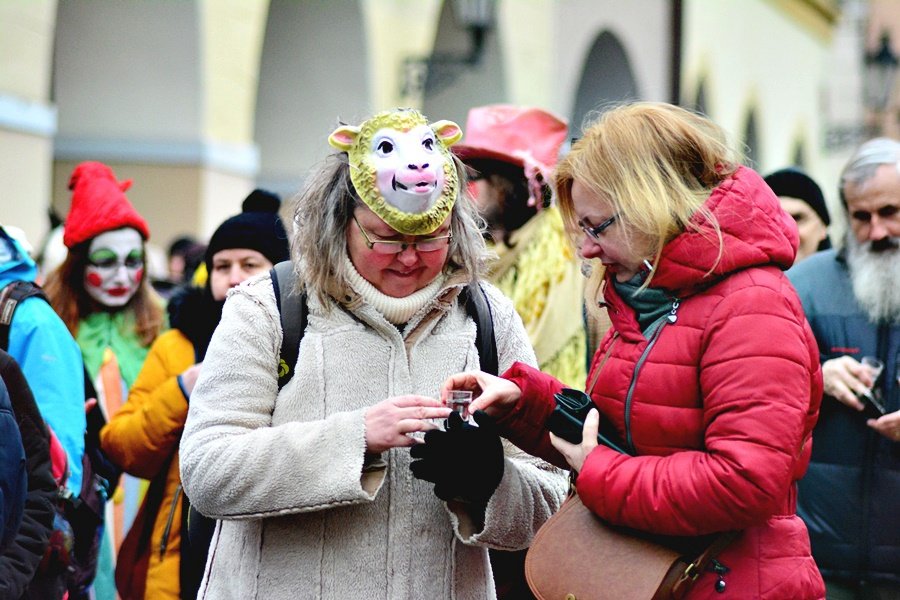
x=15 y=264
x=755 y=231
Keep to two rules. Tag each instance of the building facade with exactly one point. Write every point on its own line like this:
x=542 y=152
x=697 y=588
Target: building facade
x=199 y=101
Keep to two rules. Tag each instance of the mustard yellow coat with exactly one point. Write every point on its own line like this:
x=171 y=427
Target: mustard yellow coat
x=142 y=437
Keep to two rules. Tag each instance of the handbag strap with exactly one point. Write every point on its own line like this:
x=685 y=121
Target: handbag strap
x=590 y=386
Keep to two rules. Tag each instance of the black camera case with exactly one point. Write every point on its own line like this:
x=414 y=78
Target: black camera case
x=567 y=420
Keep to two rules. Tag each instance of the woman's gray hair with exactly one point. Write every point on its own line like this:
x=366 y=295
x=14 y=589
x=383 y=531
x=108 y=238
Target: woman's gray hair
x=324 y=208
x=865 y=161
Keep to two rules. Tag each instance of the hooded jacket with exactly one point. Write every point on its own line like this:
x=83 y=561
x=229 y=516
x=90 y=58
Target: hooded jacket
x=142 y=438
x=49 y=358
x=718 y=404
x=306 y=513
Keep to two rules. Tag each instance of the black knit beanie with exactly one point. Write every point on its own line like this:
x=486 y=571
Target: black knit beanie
x=258 y=228
x=797 y=184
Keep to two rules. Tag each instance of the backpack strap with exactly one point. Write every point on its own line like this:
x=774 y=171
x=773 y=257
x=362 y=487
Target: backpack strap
x=293 y=312
x=10 y=297
x=474 y=298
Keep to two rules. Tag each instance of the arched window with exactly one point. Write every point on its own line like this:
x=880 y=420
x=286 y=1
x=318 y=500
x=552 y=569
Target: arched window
x=606 y=78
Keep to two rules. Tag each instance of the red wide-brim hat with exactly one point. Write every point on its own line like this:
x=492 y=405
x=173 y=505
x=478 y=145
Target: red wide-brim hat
x=513 y=134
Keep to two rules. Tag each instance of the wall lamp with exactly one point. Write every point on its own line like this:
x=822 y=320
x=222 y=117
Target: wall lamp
x=436 y=72
x=881 y=73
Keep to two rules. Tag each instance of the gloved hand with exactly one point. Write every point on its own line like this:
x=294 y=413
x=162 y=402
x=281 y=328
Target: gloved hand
x=464 y=462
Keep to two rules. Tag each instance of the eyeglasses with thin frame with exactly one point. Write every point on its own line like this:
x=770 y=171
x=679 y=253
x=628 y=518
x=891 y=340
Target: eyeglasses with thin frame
x=596 y=231
x=378 y=246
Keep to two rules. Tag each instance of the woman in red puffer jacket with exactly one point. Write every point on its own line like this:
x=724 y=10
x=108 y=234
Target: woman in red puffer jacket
x=710 y=374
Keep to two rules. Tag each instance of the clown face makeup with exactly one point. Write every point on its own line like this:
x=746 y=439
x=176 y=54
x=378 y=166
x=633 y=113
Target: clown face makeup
x=402 y=169
x=115 y=267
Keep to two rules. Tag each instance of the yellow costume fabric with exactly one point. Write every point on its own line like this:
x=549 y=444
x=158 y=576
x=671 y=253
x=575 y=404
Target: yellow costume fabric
x=541 y=274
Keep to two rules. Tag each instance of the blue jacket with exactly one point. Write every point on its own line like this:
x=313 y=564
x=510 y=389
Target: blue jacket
x=49 y=358
x=849 y=495
x=13 y=476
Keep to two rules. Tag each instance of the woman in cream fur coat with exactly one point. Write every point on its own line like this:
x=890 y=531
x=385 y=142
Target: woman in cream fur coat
x=312 y=484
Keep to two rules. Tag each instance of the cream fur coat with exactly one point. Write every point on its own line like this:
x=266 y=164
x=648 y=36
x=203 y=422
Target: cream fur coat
x=305 y=512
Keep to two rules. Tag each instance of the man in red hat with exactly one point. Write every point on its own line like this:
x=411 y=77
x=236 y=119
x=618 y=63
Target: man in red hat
x=511 y=152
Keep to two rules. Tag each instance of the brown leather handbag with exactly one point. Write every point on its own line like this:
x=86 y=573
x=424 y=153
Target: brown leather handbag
x=576 y=556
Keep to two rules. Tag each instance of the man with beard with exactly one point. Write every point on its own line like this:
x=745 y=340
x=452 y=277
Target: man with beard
x=852 y=300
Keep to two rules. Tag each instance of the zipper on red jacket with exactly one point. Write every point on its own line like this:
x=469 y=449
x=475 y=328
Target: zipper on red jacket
x=663 y=321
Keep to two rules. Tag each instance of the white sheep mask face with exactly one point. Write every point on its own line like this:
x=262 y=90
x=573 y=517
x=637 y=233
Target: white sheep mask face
x=402 y=168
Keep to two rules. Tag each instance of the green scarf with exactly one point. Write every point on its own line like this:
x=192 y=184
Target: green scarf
x=102 y=330
x=650 y=304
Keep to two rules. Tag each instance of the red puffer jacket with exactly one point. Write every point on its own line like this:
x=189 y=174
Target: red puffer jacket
x=718 y=405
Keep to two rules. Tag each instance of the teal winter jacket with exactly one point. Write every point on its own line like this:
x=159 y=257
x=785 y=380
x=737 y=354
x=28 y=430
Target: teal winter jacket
x=49 y=357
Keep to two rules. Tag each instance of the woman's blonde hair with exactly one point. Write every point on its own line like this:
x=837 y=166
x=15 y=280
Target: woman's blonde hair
x=656 y=164
x=323 y=210
x=68 y=297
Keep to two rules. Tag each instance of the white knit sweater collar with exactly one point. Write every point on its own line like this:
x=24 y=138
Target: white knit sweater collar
x=395 y=310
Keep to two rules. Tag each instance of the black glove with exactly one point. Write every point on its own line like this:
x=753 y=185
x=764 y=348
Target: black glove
x=464 y=462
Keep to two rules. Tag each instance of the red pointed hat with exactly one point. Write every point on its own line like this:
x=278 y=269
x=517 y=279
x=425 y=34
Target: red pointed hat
x=99 y=204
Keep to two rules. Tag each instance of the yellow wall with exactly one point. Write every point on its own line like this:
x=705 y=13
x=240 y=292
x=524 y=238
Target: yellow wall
x=233 y=32
x=26 y=45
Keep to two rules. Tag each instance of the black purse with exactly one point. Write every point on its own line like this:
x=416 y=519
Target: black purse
x=567 y=420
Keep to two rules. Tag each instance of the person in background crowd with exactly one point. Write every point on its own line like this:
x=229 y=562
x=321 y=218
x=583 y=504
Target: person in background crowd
x=106 y=302
x=385 y=240
x=52 y=250
x=709 y=377
x=22 y=574
x=802 y=198
x=49 y=358
x=39 y=342
x=13 y=472
x=852 y=300
x=142 y=438
x=183 y=257
x=511 y=152
x=180 y=269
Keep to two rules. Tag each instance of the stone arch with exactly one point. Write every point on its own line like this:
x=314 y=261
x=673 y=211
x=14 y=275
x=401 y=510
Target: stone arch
x=306 y=58
x=165 y=93
x=606 y=77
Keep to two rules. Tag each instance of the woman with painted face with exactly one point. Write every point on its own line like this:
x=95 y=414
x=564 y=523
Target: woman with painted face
x=313 y=484
x=709 y=377
x=142 y=438
x=104 y=299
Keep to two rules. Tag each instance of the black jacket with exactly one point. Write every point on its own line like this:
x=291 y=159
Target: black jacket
x=194 y=313
x=13 y=476
x=19 y=562
x=848 y=497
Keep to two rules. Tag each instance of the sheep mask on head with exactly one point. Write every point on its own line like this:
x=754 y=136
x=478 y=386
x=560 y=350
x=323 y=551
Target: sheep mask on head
x=402 y=168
